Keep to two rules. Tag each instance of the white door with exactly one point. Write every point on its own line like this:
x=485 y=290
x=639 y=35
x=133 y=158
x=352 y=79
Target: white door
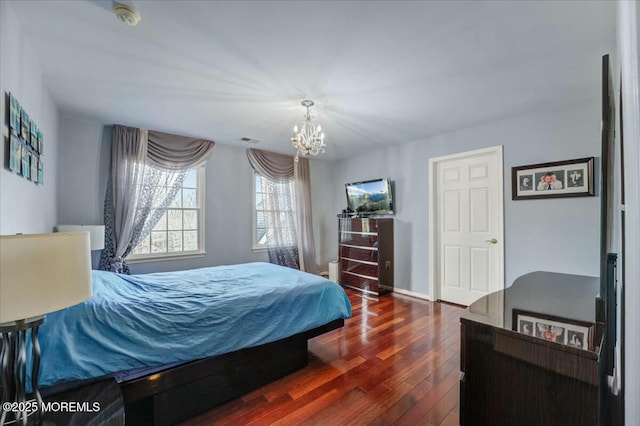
x=468 y=255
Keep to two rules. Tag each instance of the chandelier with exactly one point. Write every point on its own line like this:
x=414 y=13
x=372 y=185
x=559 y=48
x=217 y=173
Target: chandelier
x=307 y=139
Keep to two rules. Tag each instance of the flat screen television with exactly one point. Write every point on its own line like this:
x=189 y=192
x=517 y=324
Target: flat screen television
x=370 y=197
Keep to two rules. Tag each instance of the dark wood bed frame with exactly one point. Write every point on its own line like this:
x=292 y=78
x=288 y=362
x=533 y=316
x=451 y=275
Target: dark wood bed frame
x=183 y=391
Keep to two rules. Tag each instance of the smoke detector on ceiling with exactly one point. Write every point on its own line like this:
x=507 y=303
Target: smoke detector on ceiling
x=126 y=14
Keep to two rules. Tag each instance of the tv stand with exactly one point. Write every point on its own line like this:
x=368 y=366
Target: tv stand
x=366 y=254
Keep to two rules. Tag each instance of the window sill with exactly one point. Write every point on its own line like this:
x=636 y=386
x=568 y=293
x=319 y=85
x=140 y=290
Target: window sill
x=162 y=257
x=259 y=249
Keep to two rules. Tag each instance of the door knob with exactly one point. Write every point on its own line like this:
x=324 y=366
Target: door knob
x=492 y=241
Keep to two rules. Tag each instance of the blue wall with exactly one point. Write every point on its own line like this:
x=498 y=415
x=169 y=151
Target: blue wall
x=560 y=235
x=26 y=207
x=86 y=155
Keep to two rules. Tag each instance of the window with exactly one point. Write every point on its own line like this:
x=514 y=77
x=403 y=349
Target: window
x=180 y=230
x=275 y=199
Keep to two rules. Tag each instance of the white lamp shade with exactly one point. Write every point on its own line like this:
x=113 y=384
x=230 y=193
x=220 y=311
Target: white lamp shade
x=96 y=233
x=42 y=273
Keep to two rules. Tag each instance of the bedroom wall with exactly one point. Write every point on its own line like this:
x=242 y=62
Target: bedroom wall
x=560 y=235
x=83 y=174
x=26 y=207
x=325 y=224
x=84 y=171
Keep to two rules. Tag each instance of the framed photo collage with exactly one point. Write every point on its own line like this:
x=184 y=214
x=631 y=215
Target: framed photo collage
x=26 y=143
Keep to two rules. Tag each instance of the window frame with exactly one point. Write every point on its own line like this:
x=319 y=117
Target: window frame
x=201 y=251
x=254 y=245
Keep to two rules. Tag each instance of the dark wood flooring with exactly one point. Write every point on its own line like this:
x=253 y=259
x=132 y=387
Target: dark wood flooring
x=395 y=362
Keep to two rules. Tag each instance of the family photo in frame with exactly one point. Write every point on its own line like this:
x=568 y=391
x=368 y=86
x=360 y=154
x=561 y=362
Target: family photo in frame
x=570 y=178
x=578 y=334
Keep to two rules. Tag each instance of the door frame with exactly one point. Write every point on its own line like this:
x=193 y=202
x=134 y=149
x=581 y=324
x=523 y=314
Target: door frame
x=434 y=290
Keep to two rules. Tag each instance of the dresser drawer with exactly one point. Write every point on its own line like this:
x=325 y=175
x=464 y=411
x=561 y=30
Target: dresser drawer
x=360 y=282
x=368 y=269
x=356 y=253
x=366 y=240
x=359 y=225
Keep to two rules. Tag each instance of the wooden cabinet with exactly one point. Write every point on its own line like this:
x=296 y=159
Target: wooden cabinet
x=512 y=378
x=366 y=254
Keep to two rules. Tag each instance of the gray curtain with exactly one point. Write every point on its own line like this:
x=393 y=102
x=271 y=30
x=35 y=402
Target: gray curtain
x=271 y=164
x=282 y=168
x=177 y=152
x=306 y=246
x=135 y=201
x=123 y=195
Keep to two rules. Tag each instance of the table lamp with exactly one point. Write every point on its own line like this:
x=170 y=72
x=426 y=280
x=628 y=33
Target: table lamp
x=39 y=274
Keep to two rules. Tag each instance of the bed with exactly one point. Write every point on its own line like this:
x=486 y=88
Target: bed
x=181 y=342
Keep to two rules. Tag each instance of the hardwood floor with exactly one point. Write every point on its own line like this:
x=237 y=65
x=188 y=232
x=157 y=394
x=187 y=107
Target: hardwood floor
x=395 y=362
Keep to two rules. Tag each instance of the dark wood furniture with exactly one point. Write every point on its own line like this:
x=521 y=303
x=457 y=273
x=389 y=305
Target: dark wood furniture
x=178 y=393
x=98 y=403
x=510 y=378
x=366 y=254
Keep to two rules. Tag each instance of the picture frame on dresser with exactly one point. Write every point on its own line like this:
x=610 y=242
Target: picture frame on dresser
x=566 y=331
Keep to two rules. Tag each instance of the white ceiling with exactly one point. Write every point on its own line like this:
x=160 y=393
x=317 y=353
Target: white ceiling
x=380 y=72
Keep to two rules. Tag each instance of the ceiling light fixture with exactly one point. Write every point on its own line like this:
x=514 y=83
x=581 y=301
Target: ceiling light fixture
x=307 y=139
x=126 y=14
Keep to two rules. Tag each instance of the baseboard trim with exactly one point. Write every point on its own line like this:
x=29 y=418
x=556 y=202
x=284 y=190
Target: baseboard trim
x=410 y=293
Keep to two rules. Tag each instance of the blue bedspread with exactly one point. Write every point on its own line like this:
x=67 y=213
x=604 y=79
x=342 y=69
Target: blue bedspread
x=163 y=318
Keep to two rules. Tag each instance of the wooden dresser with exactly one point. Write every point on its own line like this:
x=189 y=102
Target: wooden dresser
x=511 y=377
x=366 y=254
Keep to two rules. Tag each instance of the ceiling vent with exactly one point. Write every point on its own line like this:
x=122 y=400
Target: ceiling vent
x=249 y=140
x=126 y=14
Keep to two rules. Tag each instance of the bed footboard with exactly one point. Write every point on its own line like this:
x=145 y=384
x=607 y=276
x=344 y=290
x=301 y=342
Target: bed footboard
x=181 y=392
